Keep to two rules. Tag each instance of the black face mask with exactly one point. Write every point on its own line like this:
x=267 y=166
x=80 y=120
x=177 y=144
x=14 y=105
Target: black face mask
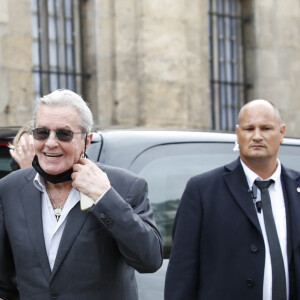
x=57 y=178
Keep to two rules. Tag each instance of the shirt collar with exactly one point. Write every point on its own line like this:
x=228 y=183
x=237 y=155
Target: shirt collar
x=252 y=176
x=39 y=182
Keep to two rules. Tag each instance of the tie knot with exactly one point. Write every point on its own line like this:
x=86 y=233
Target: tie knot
x=263 y=184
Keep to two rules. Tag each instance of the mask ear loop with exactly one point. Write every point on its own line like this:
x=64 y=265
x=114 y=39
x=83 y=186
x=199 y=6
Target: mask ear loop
x=84 y=154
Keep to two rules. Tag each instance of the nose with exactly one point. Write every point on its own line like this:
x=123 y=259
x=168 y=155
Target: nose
x=257 y=135
x=51 y=140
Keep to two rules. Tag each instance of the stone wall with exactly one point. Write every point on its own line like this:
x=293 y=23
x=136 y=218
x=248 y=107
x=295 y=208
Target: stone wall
x=152 y=59
x=15 y=62
x=276 y=50
x=148 y=61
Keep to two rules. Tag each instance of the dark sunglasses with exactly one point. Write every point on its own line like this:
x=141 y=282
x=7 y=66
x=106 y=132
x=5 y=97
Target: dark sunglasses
x=63 y=135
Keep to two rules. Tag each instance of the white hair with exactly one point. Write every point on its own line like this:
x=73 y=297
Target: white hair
x=64 y=97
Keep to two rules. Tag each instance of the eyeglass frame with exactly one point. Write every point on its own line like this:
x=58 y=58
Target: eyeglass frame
x=56 y=131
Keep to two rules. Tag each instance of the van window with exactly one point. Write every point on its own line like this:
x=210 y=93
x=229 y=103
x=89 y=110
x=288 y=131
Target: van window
x=167 y=169
x=289 y=156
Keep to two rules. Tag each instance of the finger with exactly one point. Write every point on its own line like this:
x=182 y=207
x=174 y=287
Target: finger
x=80 y=164
x=31 y=144
x=12 y=153
x=83 y=161
x=20 y=150
x=22 y=142
x=87 y=162
x=22 y=146
x=76 y=167
x=15 y=155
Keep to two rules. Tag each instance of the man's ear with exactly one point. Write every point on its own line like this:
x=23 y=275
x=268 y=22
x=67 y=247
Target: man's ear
x=89 y=140
x=282 y=132
x=237 y=133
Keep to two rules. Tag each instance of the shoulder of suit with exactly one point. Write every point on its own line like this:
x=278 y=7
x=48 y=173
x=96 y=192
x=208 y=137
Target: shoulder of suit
x=211 y=174
x=290 y=172
x=113 y=170
x=219 y=171
x=19 y=176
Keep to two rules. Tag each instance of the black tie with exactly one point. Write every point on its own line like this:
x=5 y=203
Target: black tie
x=278 y=272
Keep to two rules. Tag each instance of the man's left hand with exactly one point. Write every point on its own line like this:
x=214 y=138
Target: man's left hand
x=89 y=179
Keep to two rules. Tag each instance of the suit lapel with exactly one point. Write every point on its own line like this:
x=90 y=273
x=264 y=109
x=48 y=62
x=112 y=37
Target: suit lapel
x=75 y=221
x=237 y=184
x=292 y=184
x=31 y=201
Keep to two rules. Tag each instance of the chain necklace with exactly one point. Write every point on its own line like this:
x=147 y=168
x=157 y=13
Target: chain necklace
x=57 y=209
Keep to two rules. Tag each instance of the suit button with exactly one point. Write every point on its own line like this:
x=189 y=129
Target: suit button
x=254 y=248
x=108 y=222
x=250 y=282
x=102 y=215
x=53 y=295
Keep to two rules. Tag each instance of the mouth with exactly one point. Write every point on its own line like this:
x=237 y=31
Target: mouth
x=258 y=146
x=53 y=155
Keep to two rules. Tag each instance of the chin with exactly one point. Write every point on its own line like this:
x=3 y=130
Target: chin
x=54 y=171
x=51 y=171
x=258 y=154
x=257 y=157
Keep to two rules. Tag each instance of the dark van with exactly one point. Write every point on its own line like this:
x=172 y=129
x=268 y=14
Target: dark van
x=166 y=159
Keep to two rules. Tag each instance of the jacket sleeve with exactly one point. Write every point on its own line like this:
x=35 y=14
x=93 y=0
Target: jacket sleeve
x=8 y=285
x=182 y=277
x=129 y=220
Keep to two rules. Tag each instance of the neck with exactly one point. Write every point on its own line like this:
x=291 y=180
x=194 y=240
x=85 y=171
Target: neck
x=58 y=195
x=263 y=168
x=58 y=186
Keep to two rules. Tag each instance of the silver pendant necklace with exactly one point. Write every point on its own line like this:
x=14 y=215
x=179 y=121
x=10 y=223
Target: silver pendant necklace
x=58 y=209
x=57 y=212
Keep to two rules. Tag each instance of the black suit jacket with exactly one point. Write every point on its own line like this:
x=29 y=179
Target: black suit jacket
x=99 y=250
x=218 y=249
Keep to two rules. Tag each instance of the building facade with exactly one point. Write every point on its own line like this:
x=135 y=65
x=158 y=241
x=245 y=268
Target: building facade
x=152 y=63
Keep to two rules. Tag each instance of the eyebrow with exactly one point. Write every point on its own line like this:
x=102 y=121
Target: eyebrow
x=258 y=125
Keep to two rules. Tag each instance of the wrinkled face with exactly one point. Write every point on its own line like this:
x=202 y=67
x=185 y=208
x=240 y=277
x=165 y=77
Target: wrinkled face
x=56 y=156
x=259 y=132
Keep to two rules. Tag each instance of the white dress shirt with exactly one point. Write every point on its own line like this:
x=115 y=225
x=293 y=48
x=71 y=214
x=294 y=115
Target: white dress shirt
x=52 y=228
x=279 y=213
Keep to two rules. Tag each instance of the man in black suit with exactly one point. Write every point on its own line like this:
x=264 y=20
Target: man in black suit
x=72 y=229
x=221 y=249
